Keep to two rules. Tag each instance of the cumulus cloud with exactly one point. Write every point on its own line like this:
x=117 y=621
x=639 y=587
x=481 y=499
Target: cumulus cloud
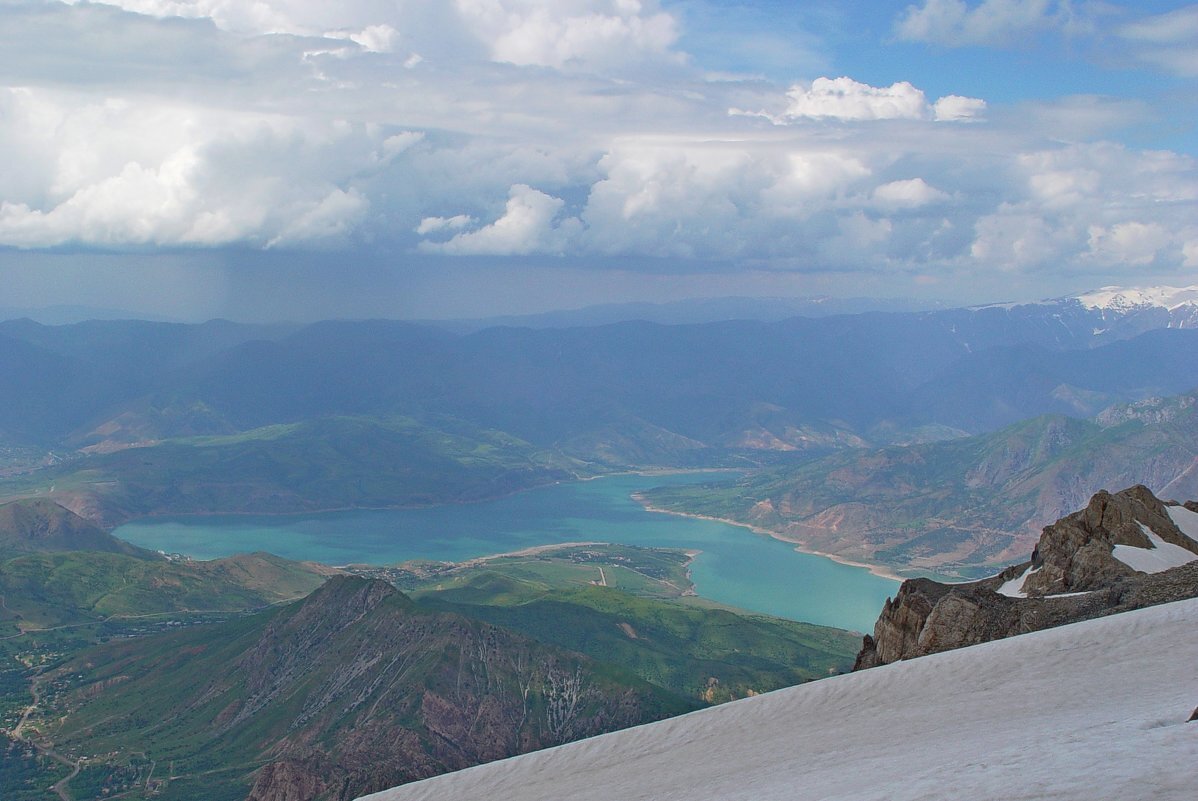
x=673 y=197
x=911 y=193
x=1015 y=236
x=954 y=108
x=1077 y=205
x=529 y=224
x=846 y=99
x=521 y=129
x=1131 y=242
x=120 y=171
x=991 y=22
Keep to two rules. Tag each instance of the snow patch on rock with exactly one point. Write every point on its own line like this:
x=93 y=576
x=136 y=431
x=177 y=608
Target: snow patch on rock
x=1160 y=557
x=1014 y=587
x=1185 y=520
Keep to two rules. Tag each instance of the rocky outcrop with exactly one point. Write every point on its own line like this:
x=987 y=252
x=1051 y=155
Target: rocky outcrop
x=1072 y=576
x=1074 y=554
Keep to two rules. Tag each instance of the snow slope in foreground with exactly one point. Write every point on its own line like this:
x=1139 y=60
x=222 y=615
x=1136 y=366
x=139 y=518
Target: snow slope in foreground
x=1093 y=711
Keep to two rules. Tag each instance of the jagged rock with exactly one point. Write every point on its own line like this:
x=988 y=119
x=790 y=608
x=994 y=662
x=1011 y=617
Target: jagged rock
x=1075 y=554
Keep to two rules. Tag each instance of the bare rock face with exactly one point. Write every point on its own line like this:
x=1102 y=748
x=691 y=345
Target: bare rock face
x=1074 y=554
x=1074 y=577
x=901 y=623
x=288 y=780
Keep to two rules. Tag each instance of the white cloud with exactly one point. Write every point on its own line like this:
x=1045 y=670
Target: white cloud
x=1072 y=208
x=812 y=178
x=846 y=99
x=1130 y=242
x=430 y=225
x=589 y=32
x=528 y=225
x=1175 y=27
x=525 y=32
x=858 y=237
x=685 y=198
x=120 y=171
x=380 y=38
x=1167 y=40
x=180 y=132
x=911 y=193
x=330 y=216
x=954 y=108
x=1189 y=254
x=849 y=100
x=991 y=22
x=1016 y=237
x=394 y=145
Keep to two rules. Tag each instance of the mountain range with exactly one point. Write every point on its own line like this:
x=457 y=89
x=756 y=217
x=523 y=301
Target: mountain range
x=507 y=408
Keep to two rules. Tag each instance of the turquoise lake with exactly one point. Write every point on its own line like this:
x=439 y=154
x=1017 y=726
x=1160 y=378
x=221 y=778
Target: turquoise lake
x=737 y=566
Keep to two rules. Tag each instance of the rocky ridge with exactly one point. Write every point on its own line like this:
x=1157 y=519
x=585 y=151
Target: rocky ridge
x=1075 y=573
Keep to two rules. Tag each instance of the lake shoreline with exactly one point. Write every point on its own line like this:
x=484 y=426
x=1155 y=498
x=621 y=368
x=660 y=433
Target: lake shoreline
x=877 y=570
x=758 y=574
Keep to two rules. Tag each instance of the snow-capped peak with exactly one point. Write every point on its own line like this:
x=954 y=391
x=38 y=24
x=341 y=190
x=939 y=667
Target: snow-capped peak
x=1124 y=299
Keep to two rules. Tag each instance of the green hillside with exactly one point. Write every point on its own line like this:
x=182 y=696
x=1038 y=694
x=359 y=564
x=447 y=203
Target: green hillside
x=960 y=507
x=351 y=690
x=42 y=591
x=633 y=607
x=39 y=525
x=705 y=653
x=327 y=463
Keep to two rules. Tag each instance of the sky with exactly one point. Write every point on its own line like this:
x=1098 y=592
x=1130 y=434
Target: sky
x=296 y=159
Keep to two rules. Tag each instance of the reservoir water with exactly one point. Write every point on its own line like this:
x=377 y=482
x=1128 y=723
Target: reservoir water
x=737 y=566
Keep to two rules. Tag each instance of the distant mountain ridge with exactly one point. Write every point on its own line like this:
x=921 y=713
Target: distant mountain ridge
x=551 y=403
x=1127 y=299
